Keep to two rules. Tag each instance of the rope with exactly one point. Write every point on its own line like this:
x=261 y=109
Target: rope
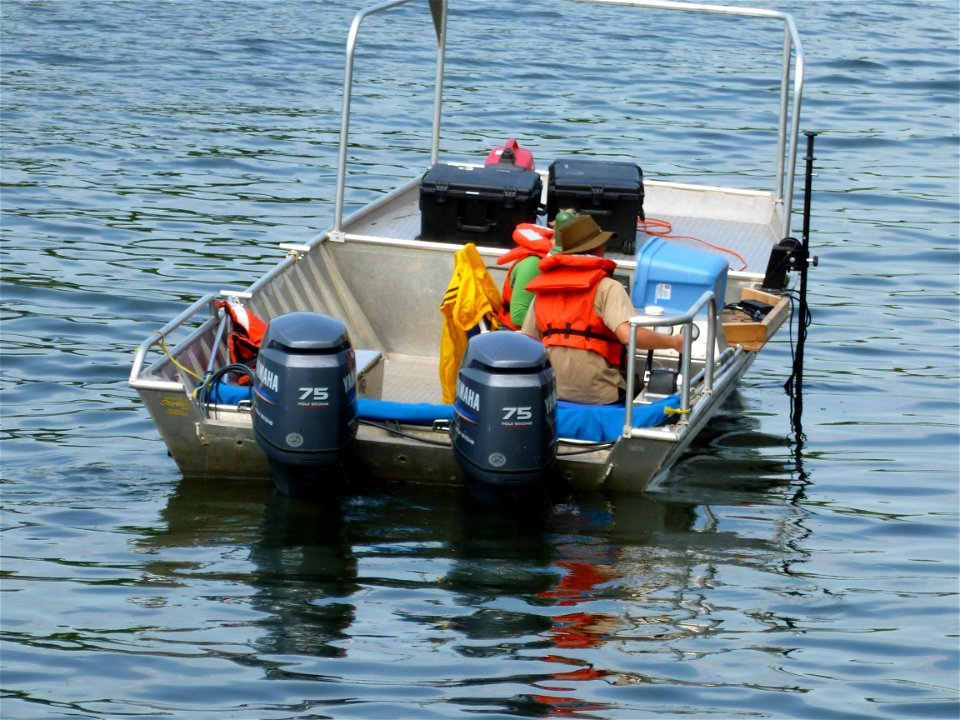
x=663 y=228
x=163 y=346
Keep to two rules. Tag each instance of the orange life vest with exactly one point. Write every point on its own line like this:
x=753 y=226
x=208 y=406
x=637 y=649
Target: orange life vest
x=531 y=240
x=246 y=334
x=565 y=312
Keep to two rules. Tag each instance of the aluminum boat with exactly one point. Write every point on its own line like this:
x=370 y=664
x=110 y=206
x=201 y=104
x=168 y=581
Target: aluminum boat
x=376 y=272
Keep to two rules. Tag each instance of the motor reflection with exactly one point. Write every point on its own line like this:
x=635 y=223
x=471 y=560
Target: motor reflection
x=287 y=558
x=306 y=577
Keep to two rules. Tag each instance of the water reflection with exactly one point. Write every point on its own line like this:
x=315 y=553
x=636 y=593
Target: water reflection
x=300 y=565
x=543 y=608
x=549 y=590
x=306 y=575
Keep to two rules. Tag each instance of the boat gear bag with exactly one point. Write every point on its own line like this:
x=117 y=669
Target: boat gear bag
x=565 y=310
x=510 y=154
x=471 y=297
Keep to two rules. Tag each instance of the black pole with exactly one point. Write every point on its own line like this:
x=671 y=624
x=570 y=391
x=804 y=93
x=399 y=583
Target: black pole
x=795 y=384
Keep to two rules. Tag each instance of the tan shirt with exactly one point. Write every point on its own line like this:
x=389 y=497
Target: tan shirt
x=584 y=376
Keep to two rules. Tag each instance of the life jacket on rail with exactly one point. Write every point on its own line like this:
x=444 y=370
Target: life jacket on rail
x=531 y=240
x=565 y=313
x=246 y=334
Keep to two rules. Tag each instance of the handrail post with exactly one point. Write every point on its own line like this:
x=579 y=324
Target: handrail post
x=631 y=379
x=711 y=343
x=336 y=232
x=682 y=318
x=438 y=85
x=794 y=124
x=780 y=187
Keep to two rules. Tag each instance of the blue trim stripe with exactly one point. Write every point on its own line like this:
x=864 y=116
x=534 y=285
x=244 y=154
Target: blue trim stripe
x=458 y=408
x=266 y=397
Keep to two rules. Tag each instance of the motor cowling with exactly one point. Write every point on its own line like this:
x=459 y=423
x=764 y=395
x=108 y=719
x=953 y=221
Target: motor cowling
x=504 y=430
x=304 y=397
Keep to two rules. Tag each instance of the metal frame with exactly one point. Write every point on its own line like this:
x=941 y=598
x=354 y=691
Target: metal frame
x=336 y=233
x=786 y=143
x=140 y=358
x=672 y=319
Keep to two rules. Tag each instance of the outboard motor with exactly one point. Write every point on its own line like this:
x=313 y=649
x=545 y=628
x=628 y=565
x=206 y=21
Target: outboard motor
x=504 y=430
x=304 y=399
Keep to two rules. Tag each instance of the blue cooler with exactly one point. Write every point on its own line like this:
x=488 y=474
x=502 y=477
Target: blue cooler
x=675 y=277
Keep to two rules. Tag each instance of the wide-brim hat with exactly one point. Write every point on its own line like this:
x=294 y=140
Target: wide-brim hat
x=580 y=235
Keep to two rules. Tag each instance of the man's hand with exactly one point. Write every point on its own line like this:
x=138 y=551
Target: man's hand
x=678 y=344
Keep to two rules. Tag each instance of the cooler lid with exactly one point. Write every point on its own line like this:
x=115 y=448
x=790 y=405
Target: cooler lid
x=491 y=181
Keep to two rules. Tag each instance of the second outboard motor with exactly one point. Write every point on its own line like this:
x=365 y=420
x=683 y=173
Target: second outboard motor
x=504 y=430
x=304 y=399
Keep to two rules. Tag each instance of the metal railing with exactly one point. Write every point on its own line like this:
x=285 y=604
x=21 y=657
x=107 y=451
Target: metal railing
x=441 y=20
x=787 y=139
x=673 y=319
x=160 y=335
x=783 y=186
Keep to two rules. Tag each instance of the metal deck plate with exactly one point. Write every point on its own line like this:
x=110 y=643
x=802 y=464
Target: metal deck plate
x=712 y=215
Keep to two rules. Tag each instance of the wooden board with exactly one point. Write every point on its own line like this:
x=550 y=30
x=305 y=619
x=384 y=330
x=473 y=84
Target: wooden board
x=741 y=330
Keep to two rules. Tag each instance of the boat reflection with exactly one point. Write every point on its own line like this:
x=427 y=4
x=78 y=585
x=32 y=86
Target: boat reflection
x=294 y=557
x=539 y=604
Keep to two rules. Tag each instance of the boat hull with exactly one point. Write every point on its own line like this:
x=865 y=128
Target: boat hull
x=223 y=446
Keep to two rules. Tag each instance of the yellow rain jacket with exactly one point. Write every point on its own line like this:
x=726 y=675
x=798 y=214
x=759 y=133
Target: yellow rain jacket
x=471 y=297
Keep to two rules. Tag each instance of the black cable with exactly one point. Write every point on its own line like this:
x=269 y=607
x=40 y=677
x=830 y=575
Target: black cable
x=804 y=321
x=397 y=431
x=211 y=382
x=589 y=449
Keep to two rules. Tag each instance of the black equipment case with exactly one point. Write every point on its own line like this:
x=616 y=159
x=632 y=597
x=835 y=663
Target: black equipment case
x=610 y=191
x=477 y=204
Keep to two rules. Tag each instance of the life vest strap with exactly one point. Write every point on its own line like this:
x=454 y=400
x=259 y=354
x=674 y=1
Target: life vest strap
x=588 y=333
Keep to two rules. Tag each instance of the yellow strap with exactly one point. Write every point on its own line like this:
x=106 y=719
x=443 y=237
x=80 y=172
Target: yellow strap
x=676 y=411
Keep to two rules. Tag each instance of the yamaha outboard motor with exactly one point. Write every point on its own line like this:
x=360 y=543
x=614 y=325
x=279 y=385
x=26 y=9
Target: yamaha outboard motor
x=305 y=400
x=504 y=430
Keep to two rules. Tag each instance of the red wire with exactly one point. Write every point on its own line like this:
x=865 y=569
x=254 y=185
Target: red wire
x=663 y=228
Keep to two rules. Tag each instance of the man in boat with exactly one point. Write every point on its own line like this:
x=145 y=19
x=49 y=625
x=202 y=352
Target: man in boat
x=534 y=242
x=583 y=316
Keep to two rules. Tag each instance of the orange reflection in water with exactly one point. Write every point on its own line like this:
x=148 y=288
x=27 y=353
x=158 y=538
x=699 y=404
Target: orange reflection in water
x=573 y=631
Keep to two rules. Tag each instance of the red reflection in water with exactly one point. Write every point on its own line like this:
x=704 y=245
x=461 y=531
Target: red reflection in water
x=576 y=630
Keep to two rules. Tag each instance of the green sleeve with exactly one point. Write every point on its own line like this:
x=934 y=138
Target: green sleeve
x=524 y=271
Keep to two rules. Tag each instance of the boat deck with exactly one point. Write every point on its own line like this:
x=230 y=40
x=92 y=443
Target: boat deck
x=742 y=222
x=411 y=379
